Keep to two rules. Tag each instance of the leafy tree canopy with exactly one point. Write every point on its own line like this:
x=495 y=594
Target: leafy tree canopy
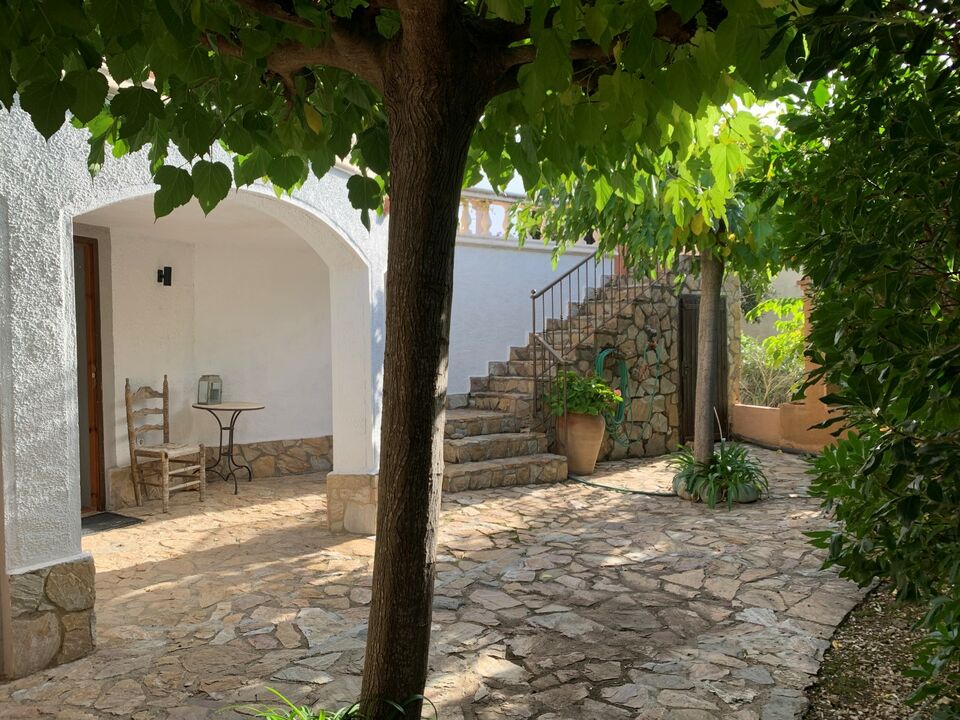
x=682 y=200
x=869 y=178
x=289 y=87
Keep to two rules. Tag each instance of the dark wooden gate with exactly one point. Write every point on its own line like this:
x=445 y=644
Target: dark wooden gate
x=689 y=317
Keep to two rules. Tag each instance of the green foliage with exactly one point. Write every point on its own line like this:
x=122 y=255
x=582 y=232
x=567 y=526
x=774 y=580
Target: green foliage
x=290 y=711
x=869 y=179
x=586 y=395
x=772 y=370
x=764 y=381
x=288 y=87
x=732 y=474
x=661 y=205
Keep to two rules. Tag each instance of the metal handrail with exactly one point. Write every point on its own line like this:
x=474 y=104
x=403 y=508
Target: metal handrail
x=534 y=294
x=595 y=278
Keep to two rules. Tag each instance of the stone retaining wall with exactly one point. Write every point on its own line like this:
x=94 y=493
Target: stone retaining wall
x=53 y=617
x=652 y=422
x=268 y=458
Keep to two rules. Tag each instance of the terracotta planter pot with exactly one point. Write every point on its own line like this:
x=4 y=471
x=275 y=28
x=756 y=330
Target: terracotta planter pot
x=579 y=437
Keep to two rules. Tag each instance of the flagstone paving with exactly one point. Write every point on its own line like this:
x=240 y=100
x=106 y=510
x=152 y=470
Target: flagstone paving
x=553 y=602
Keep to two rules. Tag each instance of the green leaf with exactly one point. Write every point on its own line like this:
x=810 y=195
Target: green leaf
x=8 y=87
x=286 y=171
x=602 y=192
x=249 y=169
x=47 y=103
x=211 y=183
x=511 y=10
x=176 y=189
x=375 y=147
x=67 y=13
x=135 y=106
x=89 y=93
x=683 y=80
x=388 y=23
x=116 y=17
x=363 y=192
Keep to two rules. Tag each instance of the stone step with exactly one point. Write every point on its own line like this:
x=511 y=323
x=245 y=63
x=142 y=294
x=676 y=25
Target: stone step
x=490 y=447
x=518 y=404
x=505 y=472
x=468 y=422
x=524 y=353
x=518 y=368
x=501 y=383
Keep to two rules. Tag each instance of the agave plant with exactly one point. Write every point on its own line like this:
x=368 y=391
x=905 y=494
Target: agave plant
x=732 y=475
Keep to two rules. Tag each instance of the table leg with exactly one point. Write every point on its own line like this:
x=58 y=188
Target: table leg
x=233 y=465
x=212 y=467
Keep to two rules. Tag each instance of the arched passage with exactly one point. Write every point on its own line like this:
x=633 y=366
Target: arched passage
x=269 y=292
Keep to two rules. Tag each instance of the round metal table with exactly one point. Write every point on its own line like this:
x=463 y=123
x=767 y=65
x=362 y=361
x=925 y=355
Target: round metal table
x=235 y=409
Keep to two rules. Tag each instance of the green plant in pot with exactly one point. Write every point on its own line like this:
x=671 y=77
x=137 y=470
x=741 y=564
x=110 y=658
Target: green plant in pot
x=732 y=475
x=579 y=402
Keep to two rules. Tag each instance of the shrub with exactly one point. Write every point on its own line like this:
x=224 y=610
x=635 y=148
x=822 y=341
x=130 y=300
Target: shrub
x=732 y=473
x=587 y=395
x=772 y=370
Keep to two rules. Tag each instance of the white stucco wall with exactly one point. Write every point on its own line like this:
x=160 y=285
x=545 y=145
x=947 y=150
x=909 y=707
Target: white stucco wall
x=44 y=185
x=258 y=316
x=491 y=301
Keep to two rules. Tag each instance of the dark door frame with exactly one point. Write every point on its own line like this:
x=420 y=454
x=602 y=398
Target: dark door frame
x=93 y=373
x=689 y=347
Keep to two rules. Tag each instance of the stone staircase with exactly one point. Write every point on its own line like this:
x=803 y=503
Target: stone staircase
x=489 y=441
x=488 y=448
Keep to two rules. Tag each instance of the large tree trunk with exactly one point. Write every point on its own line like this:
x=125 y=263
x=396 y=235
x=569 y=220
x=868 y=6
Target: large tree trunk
x=711 y=278
x=433 y=107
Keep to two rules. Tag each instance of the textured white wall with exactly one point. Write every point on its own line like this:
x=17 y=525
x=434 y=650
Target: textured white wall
x=491 y=301
x=262 y=322
x=257 y=316
x=44 y=185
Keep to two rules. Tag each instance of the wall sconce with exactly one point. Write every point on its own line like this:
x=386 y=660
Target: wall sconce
x=165 y=276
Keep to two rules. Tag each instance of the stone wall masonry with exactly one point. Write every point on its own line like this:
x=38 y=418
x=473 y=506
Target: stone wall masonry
x=352 y=503
x=53 y=616
x=268 y=458
x=652 y=423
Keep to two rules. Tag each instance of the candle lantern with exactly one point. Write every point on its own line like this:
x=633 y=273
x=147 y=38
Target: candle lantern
x=210 y=390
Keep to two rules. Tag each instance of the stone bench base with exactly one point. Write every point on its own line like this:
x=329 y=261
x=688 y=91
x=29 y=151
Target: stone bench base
x=352 y=503
x=53 y=618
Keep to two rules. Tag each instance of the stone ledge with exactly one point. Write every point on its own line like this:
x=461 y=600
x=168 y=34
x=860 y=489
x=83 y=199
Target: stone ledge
x=53 y=615
x=267 y=458
x=352 y=503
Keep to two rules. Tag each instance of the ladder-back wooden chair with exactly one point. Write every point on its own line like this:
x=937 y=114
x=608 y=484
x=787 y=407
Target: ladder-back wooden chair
x=176 y=460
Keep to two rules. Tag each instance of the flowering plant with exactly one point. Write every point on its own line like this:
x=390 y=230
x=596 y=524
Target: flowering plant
x=586 y=395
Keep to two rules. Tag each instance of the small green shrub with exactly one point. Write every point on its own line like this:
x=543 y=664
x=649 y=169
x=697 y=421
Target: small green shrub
x=772 y=370
x=292 y=712
x=587 y=395
x=732 y=473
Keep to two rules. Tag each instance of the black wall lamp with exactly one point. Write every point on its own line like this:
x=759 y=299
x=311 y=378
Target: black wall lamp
x=165 y=275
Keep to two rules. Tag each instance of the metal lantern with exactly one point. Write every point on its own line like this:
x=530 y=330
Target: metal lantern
x=210 y=390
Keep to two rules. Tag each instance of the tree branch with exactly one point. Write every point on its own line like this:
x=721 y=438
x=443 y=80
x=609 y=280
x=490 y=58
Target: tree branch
x=275 y=11
x=346 y=48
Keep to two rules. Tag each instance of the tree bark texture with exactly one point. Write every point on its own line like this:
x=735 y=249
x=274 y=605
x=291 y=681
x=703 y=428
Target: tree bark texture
x=434 y=102
x=711 y=278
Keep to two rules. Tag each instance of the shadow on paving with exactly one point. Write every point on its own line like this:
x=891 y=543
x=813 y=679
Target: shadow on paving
x=561 y=601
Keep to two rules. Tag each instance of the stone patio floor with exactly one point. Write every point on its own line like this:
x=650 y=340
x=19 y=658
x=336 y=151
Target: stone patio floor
x=553 y=602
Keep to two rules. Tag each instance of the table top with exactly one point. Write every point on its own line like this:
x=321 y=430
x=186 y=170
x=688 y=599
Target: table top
x=229 y=406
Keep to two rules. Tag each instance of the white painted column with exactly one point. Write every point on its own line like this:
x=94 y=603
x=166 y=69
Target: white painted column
x=39 y=445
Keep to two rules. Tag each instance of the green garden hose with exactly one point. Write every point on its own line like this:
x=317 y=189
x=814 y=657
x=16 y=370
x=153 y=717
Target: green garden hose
x=615 y=420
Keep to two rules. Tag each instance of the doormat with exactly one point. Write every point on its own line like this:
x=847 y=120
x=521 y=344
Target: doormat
x=105 y=521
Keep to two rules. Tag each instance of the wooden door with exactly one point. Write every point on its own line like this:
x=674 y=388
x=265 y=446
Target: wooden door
x=89 y=394
x=689 y=319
